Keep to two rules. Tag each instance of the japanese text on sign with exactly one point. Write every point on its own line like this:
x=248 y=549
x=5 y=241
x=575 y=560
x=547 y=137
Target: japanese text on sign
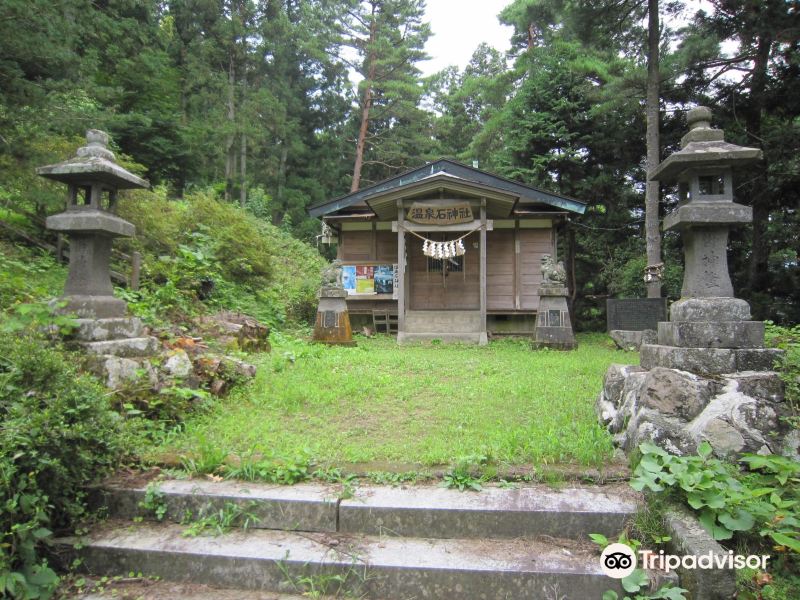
x=440 y=215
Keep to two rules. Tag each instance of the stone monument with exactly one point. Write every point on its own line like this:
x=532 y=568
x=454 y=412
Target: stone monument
x=93 y=179
x=553 y=327
x=333 y=321
x=708 y=377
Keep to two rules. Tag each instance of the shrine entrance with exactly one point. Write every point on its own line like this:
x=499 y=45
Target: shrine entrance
x=448 y=283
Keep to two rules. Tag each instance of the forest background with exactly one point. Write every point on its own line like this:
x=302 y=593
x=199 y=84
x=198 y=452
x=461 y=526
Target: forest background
x=251 y=103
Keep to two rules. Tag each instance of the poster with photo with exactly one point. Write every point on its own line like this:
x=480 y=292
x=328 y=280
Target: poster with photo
x=349 y=278
x=384 y=279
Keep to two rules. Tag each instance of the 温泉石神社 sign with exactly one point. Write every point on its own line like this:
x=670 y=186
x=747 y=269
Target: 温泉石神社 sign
x=430 y=214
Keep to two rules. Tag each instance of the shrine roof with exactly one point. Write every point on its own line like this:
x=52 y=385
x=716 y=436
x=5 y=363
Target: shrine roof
x=446 y=171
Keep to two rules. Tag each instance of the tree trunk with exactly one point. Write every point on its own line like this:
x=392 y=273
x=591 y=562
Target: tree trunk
x=230 y=159
x=365 y=105
x=758 y=276
x=243 y=171
x=280 y=209
x=651 y=224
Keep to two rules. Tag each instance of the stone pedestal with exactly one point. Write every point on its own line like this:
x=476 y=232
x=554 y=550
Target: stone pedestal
x=708 y=377
x=333 y=321
x=553 y=326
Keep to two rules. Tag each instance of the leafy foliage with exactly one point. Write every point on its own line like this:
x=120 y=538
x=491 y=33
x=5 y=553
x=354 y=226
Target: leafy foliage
x=764 y=500
x=58 y=434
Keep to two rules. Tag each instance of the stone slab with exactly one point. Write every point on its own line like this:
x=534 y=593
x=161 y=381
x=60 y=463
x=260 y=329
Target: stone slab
x=711 y=361
x=94 y=307
x=125 y=348
x=698 y=213
x=90 y=221
x=635 y=314
x=479 y=338
x=304 y=507
x=372 y=567
x=709 y=309
x=99 y=330
x=690 y=538
x=712 y=334
x=529 y=511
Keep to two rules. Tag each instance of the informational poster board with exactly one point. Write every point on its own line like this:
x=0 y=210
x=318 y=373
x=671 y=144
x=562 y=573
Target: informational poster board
x=365 y=280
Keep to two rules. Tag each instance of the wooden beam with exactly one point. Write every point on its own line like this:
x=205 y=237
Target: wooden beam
x=483 y=266
x=401 y=268
x=409 y=226
x=517 y=265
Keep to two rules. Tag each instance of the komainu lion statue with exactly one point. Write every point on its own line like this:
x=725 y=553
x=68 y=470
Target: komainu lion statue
x=553 y=273
x=332 y=275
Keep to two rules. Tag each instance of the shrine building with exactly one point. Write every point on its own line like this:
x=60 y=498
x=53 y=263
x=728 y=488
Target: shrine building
x=473 y=244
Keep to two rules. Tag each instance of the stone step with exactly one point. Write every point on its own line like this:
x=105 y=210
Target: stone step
x=417 y=511
x=442 y=321
x=405 y=337
x=124 y=348
x=99 y=330
x=367 y=566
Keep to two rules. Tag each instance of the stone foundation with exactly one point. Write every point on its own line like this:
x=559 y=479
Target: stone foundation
x=677 y=410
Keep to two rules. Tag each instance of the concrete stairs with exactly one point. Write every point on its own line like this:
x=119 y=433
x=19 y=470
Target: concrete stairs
x=372 y=542
x=445 y=325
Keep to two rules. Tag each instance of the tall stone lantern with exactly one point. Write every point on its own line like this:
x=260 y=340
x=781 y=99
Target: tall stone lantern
x=93 y=179
x=709 y=330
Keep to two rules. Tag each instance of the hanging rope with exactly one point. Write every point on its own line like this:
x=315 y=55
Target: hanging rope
x=440 y=250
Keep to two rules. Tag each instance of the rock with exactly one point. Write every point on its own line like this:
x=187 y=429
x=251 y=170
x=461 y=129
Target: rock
x=117 y=372
x=648 y=425
x=249 y=334
x=763 y=385
x=611 y=397
x=791 y=445
x=724 y=438
x=178 y=364
x=733 y=422
x=632 y=340
x=630 y=399
x=676 y=393
x=239 y=367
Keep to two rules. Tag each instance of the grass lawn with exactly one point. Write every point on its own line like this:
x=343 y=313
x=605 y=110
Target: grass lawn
x=427 y=404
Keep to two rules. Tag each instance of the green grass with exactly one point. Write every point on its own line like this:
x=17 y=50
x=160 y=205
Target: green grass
x=414 y=404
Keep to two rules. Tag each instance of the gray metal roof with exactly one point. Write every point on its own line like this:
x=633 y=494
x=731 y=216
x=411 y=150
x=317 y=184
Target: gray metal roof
x=454 y=169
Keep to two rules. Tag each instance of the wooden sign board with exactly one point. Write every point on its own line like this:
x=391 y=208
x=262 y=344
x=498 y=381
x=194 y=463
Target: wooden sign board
x=432 y=214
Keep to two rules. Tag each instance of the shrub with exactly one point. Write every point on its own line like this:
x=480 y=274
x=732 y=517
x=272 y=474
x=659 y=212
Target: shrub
x=256 y=267
x=58 y=434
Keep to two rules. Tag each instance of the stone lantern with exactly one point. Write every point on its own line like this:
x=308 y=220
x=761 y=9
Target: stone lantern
x=93 y=178
x=709 y=330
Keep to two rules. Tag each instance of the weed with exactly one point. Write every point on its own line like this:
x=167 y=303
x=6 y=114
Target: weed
x=155 y=502
x=393 y=479
x=638 y=582
x=219 y=521
x=461 y=474
x=765 y=500
x=337 y=585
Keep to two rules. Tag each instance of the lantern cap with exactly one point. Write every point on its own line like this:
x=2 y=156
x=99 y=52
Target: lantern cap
x=701 y=147
x=93 y=163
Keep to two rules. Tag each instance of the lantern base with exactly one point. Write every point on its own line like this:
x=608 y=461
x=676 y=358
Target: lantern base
x=93 y=307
